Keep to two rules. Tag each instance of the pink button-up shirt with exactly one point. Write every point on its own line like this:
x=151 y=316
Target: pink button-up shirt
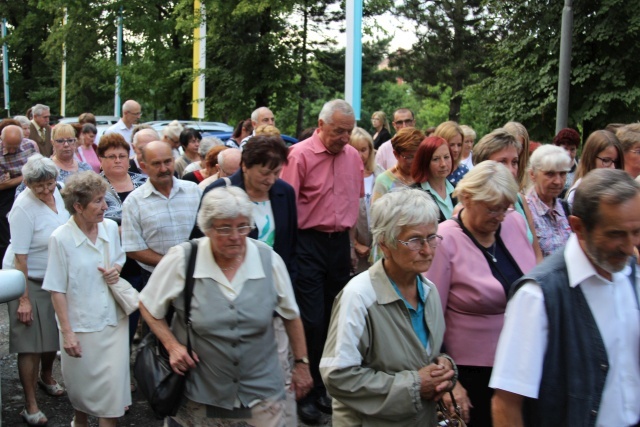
x=328 y=186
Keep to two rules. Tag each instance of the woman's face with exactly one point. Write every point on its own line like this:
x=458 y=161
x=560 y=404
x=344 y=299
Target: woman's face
x=441 y=163
x=607 y=158
x=508 y=156
x=93 y=213
x=406 y=259
x=260 y=178
x=456 y=146
x=65 y=146
x=376 y=122
x=115 y=161
x=483 y=217
x=467 y=145
x=405 y=160
x=26 y=130
x=363 y=149
x=43 y=190
x=88 y=138
x=228 y=238
x=192 y=146
x=548 y=184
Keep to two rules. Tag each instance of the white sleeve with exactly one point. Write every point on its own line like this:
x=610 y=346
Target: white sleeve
x=165 y=284
x=117 y=255
x=57 y=275
x=22 y=227
x=287 y=305
x=523 y=343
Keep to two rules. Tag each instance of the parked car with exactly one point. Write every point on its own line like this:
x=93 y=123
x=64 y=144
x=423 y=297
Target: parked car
x=205 y=128
x=289 y=140
x=100 y=120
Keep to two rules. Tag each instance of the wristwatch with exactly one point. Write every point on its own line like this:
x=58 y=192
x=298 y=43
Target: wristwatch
x=303 y=359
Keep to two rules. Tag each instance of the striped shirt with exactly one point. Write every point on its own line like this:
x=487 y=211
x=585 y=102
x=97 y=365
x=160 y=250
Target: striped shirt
x=12 y=163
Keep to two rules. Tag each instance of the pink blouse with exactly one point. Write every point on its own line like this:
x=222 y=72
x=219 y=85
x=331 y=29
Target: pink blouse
x=89 y=156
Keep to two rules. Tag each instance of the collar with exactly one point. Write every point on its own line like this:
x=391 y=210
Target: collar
x=541 y=208
x=148 y=189
x=206 y=266
x=37 y=126
x=382 y=286
x=120 y=124
x=4 y=149
x=580 y=268
x=447 y=185
x=318 y=147
x=79 y=237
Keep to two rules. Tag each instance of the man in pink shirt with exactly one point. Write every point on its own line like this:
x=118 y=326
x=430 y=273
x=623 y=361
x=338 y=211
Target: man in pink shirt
x=327 y=176
x=402 y=118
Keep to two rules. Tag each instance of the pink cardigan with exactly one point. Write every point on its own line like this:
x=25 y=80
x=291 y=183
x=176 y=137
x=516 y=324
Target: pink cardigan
x=473 y=300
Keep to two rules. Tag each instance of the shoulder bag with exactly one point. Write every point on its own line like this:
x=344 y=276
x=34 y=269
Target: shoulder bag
x=162 y=387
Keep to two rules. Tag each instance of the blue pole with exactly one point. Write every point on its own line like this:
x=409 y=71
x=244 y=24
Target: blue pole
x=5 y=67
x=353 y=63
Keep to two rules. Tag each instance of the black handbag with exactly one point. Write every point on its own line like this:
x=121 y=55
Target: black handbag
x=162 y=387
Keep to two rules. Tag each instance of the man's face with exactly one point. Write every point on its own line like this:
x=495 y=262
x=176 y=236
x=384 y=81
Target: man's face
x=158 y=164
x=266 y=117
x=403 y=119
x=336 y=135
x=132 y=114
x=12 y=141
x=610 y=244
x=43 y=119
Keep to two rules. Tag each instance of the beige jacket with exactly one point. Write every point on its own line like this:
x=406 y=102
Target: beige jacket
x=372 y=355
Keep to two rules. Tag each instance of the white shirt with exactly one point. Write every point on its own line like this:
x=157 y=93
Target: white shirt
x=167 y=280
x=32 y=222
x=523 y=341
x=152 y=221
x=468 y=162
x=384 y=156
x=123 y=130
x=73 y=270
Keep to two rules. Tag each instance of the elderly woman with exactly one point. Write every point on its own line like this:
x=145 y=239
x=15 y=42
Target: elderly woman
x=362 y=141
x=190 y=143
x=629 y=137
x=466 y=158
x=239 y=284
x=85 y=258
x=502 y=147
x=602 y=150
x=548 y=169
x=430 y=169
x=381 y=126
x=25 y=124
x=33 y=332
x=87 y=149
x=382 y=363
x=171 y=134
x=405 y=144
x=452 y=133
x=485 y=248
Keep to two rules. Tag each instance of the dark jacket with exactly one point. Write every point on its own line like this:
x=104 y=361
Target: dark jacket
x=383 y=136
x=283 y=204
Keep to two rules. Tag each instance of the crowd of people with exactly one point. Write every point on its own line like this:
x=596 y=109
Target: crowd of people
x=383 y=279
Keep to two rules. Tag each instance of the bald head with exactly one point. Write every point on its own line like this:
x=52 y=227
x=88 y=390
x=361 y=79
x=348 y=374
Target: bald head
x=145 y=136
x=11 y=138
x=131 y=112
x=154 y=147
x=229 y=162
x=262 y=116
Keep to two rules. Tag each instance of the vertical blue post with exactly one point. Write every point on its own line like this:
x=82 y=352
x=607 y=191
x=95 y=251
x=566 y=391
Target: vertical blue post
x=116 y=103
x=353 y=62
x=5 y=68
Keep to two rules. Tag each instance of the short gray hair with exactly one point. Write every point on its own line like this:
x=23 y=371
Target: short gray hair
x=23 y=120
x=38 y=109
x=224 y=203
x=491 y=143
x=256 y=113
x=331 y=107
x=81 y=188
x=39 y=168
x=629 y=136
x=468 y=131
x=207 y=143
x=550 y=158
x=489 y=182
x=602 y=186
x=398 y=209
x=173 y=130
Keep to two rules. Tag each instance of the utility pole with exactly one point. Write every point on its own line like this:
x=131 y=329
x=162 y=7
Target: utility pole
x=564 y=75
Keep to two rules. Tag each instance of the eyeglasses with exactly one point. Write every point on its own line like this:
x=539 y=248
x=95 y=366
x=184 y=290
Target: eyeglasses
x=39 y=188
x=417 y=243
x=138 y=114
x=494 y=213
x=62 y=141
x=407 y=122
x=606 y=161
x=227 y=231
x=407 y=158
x=121 y=157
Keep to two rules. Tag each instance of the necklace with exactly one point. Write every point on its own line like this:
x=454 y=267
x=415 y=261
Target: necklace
x=493 y=253
x=238 y=260
x=398 y=173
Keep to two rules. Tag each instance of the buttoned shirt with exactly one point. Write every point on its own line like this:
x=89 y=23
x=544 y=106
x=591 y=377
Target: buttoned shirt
x=73 y=270
x=150 y=220
x=614 y=305
x=552 y=225
x=42 y=132
x=123 y=130
x=12 y=163
x=328 y=186
x=384 y=156
x=445 y=205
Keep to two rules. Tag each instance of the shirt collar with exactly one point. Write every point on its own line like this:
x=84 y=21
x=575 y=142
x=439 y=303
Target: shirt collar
x=579 y=267
x=541 y=207
x=5 y=152
x=148 y=189
x=206 y=266
x=36 y=125
x=318 y=146
x=385 y=293
x=447 y=185
x=78 y=235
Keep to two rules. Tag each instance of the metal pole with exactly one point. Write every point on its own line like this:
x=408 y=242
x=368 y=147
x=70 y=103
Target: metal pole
x=353 y=58
x=5 y=68
x=564 y=75
x=199 y=60
x=63 y=88
x=116 y=102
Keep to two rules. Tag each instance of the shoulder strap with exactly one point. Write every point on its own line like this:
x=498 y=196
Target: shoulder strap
x=188 y=289
x=565 y=207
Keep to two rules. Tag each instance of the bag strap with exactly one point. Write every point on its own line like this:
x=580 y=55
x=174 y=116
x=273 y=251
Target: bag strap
x=188 y=289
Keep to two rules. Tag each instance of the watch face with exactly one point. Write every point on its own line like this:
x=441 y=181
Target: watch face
x=304 y=360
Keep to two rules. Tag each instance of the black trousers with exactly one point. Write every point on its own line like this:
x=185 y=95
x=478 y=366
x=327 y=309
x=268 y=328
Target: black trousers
x=475 y=379
x=324 y=262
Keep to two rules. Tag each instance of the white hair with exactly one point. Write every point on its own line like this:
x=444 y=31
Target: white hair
x=207 y=143
x=550 y=158
x=173 y=130
x=39 y=168
x=38 y=109
x=23 y=120
x=331 y=107
x=398 y=209
x=224 y=203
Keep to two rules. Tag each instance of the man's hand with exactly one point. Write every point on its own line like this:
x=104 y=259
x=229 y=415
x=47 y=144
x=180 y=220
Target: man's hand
x=434 y=381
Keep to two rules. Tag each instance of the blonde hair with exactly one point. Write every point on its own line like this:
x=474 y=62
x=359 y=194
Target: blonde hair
x=448 y=130
x=518 y=130
x=496 y=140
x=383 y=118
x=268 y=130
x=489 y=182
x=359 y=134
